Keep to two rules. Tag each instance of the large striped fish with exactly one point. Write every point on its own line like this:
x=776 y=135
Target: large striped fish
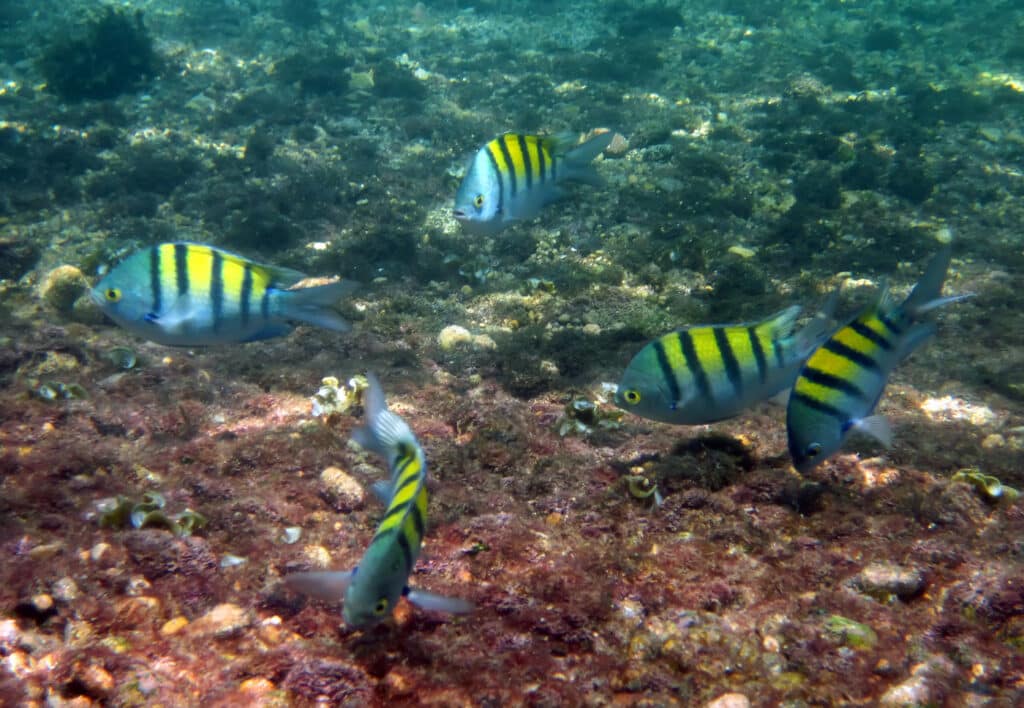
x=706 y=373
x=372 y=588
x=514 y=176
x=190 y=294
x=841 y=382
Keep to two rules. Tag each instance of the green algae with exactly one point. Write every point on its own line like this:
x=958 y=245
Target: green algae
x=850 y=633
x=121 y=512
x=989 y=487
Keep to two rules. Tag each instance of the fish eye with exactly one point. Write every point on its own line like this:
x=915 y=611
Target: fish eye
x=381 y=607
x=112 y=294
x=631 y=396
x=478 y=201
x=813 y=449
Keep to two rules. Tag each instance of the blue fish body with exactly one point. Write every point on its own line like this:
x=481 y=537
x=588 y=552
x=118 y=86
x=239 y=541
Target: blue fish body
x=191 y=294
x=372 y=589
x=840 y=384
x=514 y=176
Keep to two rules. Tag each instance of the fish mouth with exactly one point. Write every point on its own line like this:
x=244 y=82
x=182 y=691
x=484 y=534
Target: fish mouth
x=460 y=215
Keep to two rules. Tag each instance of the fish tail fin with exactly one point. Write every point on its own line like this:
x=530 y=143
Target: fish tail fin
x=578 y=159
x=384 y=431
x=927 y=294
x=326 y=585
x=313 y=305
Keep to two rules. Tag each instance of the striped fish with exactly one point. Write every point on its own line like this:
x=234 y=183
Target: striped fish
x=373 y=587
x=514 y=176
x=841 y=382
x=190 y=294
x=706 y=373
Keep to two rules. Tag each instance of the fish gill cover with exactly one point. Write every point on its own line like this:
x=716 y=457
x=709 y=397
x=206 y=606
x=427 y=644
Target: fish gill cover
x=763 y=155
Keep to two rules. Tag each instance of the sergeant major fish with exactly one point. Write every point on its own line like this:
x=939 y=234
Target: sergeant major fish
x=707 y=373
x=191 y=294
x=840 y=384
x=514 y=176
x=372 y=588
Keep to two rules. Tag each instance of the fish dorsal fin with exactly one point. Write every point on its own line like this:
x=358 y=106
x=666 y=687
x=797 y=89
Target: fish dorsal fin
x=261 y=272
x=782 y=324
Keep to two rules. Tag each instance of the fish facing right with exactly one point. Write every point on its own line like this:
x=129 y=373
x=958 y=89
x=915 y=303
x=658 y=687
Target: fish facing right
x=514 y=176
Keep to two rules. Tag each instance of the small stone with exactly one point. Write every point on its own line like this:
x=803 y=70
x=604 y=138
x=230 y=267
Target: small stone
x=173 y=626
x=850 y=633
x=453 y=336
x=592 y=329
x=549 y=367
x=9 y=633
x=256 y=686
x=915 y=691
x=97 y=552
x=993 y=440
x=317 y=556
x=42 y=602
x=62 y=286
x=96 y=680
x=729 y=700
x=341 y=490
x=45 y=551
x=66 y=589
x=225 y=620
x=742 y=251
x=484 y=341
x=882 y=580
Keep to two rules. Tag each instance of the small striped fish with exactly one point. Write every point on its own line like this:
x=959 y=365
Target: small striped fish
x=190 y=294
x=706 y=373
x=841 y=382
x=372 y=588
x=514 y=176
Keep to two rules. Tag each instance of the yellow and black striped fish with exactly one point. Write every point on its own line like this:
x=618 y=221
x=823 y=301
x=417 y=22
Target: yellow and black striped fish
x=841 y=382
x=191 y=294
x=705 y=373
x=514 y=176
x=373 y=587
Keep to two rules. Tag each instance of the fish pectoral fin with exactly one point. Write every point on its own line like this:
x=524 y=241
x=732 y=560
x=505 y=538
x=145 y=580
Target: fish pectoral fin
x=326 y=585
x=172 y=320
x=439 y=603
x=877 y=427
x=382 y=489
x=781 y=398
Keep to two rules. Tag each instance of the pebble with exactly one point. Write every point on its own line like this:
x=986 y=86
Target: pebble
x=342 y=491
x=729 y=700
x=96 y=680
x=885 y=579
x=42 y=602
x=66 y=589
x=173 y=626
x=225 y=620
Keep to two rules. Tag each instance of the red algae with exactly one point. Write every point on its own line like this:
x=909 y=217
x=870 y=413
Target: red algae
x=584 y=594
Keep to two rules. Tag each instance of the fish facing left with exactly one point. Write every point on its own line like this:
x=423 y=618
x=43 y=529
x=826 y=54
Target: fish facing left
x=514 y=176
x=372 y=588
x=192 y=294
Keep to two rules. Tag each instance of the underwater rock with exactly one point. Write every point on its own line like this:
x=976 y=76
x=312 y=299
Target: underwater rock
x=62 y=286
x=883 y=580
x=453 y=336
x=225 y=620
x=341 y=490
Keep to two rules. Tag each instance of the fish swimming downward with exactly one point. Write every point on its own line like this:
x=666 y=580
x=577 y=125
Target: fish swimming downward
x=191 y=294
x=706 y=373
x=372 y=588
x=514 y=176
x=842 y=381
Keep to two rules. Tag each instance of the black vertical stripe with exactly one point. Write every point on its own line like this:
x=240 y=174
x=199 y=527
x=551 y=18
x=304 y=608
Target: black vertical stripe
x=527 y=162
x=780 y=354
x=246 y=295
x=403 y=543
x=503 y=144
x=732 y=367
x=217 y=289
x=893 y=327
x=417 y=521
x=858 y=358
x=498 y=175
x=871 y=335
x=265 y=304
x=755 y=345
x=694 y=364
x=666 y=372
x=154 y=279
x=823 y=378
x=181 y=267
x=821 y=407
x=542 y=161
